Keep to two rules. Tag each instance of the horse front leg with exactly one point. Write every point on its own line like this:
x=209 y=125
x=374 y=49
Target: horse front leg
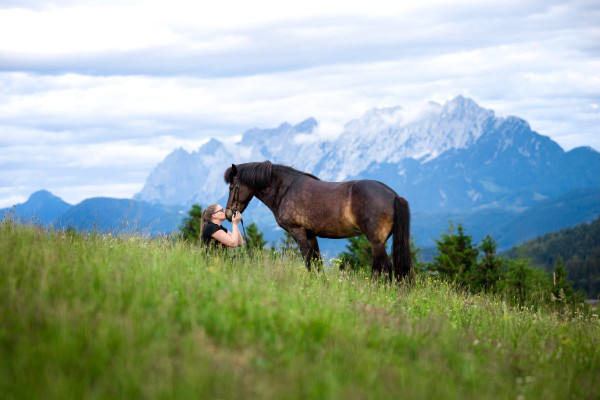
x=314 y=253
x=300 y=236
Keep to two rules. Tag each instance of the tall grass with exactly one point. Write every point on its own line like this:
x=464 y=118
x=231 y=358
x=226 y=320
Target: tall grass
x=99 y=316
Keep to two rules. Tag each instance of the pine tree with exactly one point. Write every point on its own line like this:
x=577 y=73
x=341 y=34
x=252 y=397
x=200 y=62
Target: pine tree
x=358 y=255
x=562 y=288
x=456 y=257
x=254 y=237
x=523 y=283
x=190 y=226
x=415 y=253
x=486 y=273
x=285 y=244
x=518 y=279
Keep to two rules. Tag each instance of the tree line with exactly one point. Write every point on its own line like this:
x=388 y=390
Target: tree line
x=478 y=268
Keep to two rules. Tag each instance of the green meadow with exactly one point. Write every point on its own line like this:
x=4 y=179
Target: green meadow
x=98 y=316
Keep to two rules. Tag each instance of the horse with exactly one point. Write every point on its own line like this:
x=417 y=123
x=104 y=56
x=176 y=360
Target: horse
x=308 y=207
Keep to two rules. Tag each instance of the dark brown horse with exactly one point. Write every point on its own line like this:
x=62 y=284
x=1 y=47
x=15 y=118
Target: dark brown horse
x=308 y=208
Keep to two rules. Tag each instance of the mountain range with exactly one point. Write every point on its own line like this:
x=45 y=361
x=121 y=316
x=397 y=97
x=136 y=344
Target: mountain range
x=101 y=214
x=41 y=208
x=457 y=161
x=455 y=157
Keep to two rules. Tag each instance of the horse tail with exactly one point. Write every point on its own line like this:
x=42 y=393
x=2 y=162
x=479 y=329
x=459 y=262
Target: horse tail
x=401 y=242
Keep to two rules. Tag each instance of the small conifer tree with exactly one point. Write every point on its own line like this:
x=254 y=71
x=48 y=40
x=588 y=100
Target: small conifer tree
x=415 y=252
x=286 y=243
x=518 y=279
x=190 y=226
x=562 y=288
x=254 y=237
x=457 y=256
x=486 y=273
x=358 y=254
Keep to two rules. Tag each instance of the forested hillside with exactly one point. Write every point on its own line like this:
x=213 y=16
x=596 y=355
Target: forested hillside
x=579 y=247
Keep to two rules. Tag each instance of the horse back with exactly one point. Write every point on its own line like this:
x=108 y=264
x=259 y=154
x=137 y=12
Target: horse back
x=339 y=209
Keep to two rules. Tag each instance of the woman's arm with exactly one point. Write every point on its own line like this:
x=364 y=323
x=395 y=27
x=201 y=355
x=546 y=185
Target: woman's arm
x=233 y=238
x=235 y=219
x=229 y=239
x=236 y=235
x=240 y=239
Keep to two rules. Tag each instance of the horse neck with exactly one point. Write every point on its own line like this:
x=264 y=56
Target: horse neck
x=272 y=195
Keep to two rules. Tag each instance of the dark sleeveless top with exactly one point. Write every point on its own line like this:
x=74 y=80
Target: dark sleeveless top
x=208 y=231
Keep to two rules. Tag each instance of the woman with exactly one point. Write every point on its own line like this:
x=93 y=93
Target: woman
x=213 y=232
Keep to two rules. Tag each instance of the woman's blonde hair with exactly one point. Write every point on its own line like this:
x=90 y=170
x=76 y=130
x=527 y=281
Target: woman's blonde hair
x=207 y=216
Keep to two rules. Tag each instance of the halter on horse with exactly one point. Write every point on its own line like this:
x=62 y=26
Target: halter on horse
x=235 y=204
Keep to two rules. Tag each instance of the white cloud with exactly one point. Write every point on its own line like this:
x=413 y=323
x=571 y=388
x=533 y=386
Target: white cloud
x=325 y=130
x=80 y=29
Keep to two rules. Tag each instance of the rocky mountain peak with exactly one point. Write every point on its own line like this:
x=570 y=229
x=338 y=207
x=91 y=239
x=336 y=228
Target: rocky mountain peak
x=306 y=126
x=212 y=146
x=393 y=137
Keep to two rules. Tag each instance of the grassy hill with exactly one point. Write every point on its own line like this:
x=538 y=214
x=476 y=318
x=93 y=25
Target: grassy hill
x=579 y=247
x=96 y=316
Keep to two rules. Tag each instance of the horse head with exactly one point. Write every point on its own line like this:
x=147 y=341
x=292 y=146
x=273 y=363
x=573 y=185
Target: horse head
x=240 y=193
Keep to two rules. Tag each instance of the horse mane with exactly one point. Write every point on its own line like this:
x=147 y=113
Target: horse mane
x=257 y=175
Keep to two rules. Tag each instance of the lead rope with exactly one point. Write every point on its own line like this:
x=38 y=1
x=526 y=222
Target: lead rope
x=244 y=230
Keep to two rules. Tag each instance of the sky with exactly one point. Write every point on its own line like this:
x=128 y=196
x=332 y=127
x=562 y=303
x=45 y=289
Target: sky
x=94 y=94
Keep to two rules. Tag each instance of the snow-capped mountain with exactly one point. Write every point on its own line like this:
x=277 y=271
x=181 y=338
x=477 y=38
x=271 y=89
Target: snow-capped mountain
x=456 y=156
x=184 y=178
x=392 y=134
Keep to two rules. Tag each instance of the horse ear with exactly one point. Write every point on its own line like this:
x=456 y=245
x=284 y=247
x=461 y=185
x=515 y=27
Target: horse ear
x=233 y=170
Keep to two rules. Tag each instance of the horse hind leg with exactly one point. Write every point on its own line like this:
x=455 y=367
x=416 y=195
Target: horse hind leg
x=381 y=261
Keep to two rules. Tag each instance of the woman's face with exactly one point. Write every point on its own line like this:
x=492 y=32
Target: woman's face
x=219 y=214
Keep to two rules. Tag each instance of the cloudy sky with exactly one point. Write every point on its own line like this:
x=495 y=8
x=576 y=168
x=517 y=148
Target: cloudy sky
x=93 y=94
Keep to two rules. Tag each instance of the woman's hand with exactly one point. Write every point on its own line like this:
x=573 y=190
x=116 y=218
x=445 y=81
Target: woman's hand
x=237 y=216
